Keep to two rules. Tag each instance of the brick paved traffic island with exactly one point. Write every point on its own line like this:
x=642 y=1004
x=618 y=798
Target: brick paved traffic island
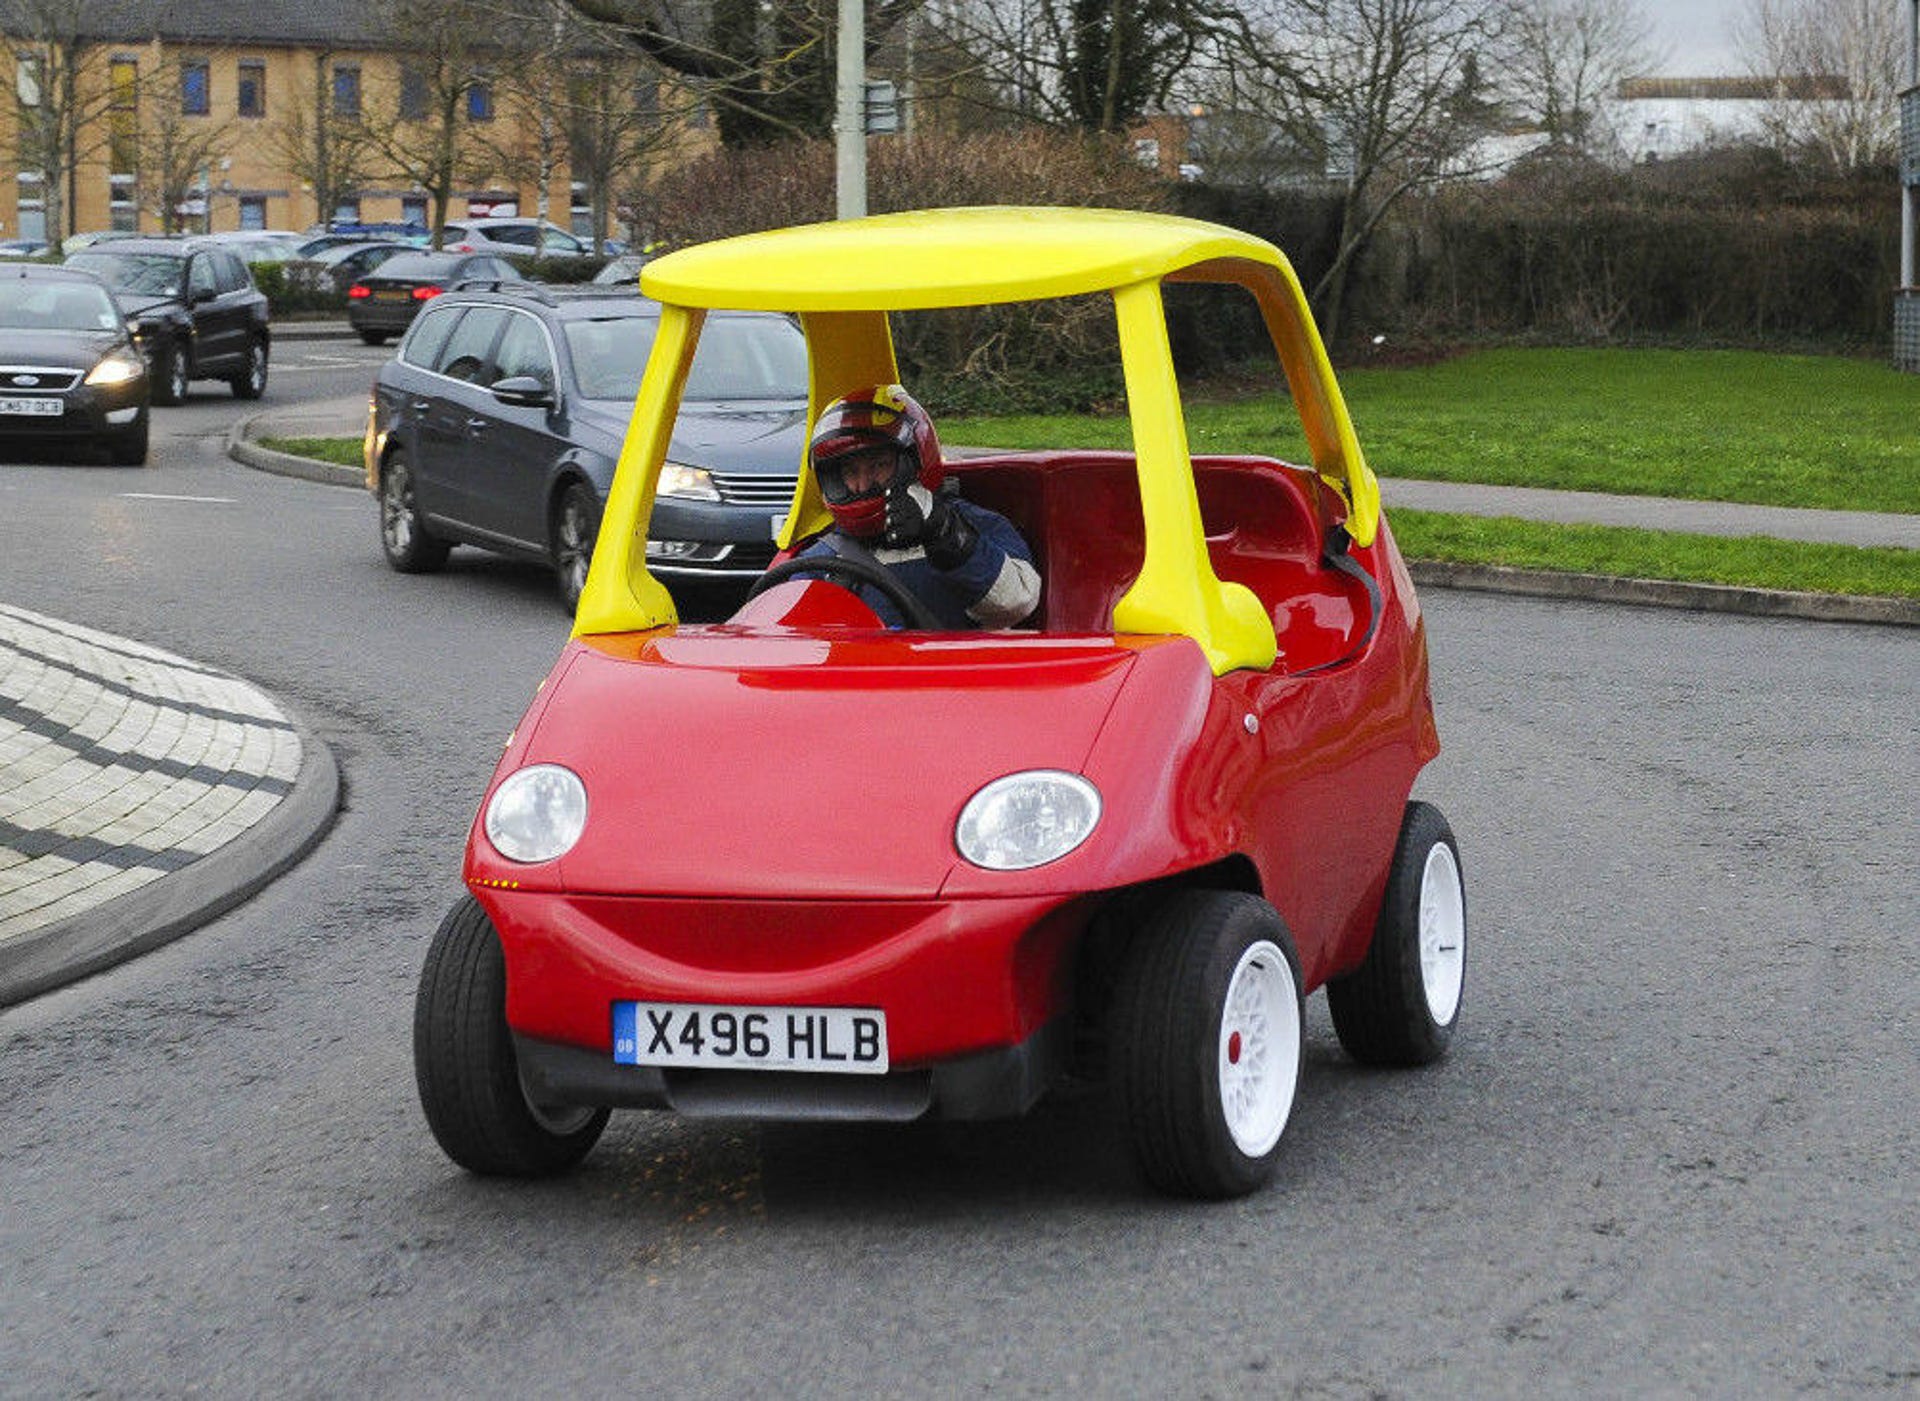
x=140 y=794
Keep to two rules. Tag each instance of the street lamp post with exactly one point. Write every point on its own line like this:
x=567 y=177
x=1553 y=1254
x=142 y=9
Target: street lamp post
x=850 y=119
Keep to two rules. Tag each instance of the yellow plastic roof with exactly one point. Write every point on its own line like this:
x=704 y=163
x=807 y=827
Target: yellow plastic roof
x=940 y=257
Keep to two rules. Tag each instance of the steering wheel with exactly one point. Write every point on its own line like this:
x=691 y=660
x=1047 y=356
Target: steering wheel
x=911 y=607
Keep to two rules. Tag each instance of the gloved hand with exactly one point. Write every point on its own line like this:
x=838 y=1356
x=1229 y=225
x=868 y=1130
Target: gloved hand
x=915 y=516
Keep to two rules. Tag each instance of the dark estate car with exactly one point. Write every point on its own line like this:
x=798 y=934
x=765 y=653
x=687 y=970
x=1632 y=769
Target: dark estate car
x=499 y=420
x=195 y=311
x=384 y=302
x=71 y=370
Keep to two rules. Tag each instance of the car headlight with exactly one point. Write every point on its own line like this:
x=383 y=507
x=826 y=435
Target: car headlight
x=694 y=483
x=537 y=814
x=1027 y=819
x=116 y=369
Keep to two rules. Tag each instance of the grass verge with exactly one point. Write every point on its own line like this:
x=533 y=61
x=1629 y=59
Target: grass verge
x=1709 y=425
x=344 y=451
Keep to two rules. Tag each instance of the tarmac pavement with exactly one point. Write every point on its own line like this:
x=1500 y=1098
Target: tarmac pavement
x=141 y=793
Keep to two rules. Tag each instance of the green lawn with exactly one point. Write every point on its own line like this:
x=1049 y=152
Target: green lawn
x=344 y=451
x=1716 y=425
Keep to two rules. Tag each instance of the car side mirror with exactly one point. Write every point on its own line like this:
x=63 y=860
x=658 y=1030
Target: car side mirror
x=523 y=391
x=201 y=294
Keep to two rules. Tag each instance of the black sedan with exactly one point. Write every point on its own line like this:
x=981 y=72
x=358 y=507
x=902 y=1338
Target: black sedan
x=499 y=421
x=384 y=302
x=69 y=369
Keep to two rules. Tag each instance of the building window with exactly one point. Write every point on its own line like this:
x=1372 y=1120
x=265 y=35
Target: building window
x=123 y=116
x=347 y=211
x=479 y=101
x=194 y=85
x=251 y=90
x=27 y=79
x=413 y=210
x=32 y=205
x=253 y=211
x=413 y=95
x=123 y=210
x=346 y=90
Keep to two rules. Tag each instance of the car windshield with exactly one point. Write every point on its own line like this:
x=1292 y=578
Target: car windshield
x=47 y=305
x=740 y=357
x=155 y=273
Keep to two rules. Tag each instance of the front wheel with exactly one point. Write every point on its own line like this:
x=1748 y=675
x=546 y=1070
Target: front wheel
x=576 y=525
x=1401 y=1005
x=251 y=382
x=1207 y=1042
x=170 y=382
x=464 y=1064
x=410 y=547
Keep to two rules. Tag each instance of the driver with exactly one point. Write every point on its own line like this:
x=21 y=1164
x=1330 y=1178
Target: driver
x=878 y=463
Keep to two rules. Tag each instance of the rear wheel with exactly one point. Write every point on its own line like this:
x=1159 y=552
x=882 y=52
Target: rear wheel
x=411 y=548
x=1401 y=1005
x=251 y=382
x=464 y=1064
x=576 y=524
x=128 y=448
x=1207 y=1042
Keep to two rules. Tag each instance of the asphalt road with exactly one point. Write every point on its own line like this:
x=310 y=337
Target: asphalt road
x=1675 y=1150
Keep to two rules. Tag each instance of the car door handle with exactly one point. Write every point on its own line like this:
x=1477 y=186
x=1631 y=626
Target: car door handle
x=477 y=425
x=422 y=405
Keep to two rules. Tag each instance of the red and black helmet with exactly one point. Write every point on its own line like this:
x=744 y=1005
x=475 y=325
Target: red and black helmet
x=881 y=416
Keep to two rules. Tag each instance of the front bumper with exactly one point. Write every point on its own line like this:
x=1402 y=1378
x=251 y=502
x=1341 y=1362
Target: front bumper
x=710 y=539
x=87 y=411
x=976 y=995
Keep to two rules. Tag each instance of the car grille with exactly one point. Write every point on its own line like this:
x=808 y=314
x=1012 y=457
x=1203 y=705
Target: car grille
x=26 y=378
x=749 y=489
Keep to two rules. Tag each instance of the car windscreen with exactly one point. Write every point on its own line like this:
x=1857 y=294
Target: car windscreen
x=33 y=304
x=740 y=357
x=159 y=274
x=420 y=267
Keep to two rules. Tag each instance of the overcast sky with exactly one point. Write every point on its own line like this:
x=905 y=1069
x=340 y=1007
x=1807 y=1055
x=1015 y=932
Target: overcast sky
x=1696 y=37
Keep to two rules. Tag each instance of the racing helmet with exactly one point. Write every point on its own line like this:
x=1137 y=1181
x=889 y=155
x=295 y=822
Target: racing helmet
x=883 y=417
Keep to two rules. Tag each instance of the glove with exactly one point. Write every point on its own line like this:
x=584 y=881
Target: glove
x=915 y=516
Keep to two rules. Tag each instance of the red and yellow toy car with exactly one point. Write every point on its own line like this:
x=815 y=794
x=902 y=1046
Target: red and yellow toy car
x=800 y=865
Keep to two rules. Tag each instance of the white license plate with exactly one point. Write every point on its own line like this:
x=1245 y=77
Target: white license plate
x=33 y=408
x=847 y=1040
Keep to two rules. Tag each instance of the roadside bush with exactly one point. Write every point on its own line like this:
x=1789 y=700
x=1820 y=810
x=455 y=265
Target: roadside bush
x=1053 y=356
x=291 y=296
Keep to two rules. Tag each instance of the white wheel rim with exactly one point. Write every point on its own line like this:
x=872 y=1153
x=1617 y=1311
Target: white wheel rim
x=1259 y=1053
x=1443 y=934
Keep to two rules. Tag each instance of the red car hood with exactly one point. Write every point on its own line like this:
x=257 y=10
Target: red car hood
x=813 y=765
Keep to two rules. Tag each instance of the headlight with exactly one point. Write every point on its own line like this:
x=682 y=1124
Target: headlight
x=116 y=369
x=537 y=814
x=1027 y=819
x=695 y=483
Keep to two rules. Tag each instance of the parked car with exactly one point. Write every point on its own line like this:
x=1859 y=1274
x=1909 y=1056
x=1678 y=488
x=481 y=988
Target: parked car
x=195 y=311
x=73 y=243
x=623 y=271
x=336 y=268
x=414 y=235
x=23 y=247
x=259 y=246
x=799 y=865
x=69 y=368
x=499 y=420
x=384 y=302
x=533 y=238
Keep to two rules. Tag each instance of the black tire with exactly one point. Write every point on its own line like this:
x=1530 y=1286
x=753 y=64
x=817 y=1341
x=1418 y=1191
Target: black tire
x=251 y=382
x=464 y=1065
x=1178 y=1048
x=410 y=547
x=375 y=337
x=576 y=524
x=128 y=448
x=171 y=372
x=1400 y=1006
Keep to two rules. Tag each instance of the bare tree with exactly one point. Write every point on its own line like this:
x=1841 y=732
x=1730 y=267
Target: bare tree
x=1564 y=60
x=1386 y=96
x=1094 y=64
x=175 y=150
x=767 y=65
x=326 y=149
x=54 y=47
x=1835 y=67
